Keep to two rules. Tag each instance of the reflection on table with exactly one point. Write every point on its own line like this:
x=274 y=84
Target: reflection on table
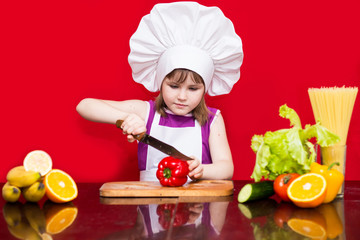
x=179 y=220
x=286 y=221
x=31 y=221
x=92 y=217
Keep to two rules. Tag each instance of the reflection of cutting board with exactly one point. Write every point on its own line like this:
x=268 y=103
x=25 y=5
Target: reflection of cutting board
x=154 y=189
x=163 y=200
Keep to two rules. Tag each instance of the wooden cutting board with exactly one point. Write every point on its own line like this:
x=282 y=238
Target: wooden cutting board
x=154 y=189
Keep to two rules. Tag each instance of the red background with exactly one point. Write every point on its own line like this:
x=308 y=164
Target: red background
x=55 y=53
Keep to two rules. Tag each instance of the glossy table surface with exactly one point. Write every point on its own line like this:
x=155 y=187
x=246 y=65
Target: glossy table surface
x=173 y=218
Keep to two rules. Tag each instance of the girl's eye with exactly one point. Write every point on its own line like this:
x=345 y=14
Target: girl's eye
x=173 y=86
x=193 y=88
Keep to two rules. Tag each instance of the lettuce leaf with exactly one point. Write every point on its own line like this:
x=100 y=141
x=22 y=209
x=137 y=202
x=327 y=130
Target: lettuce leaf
x=288 y=150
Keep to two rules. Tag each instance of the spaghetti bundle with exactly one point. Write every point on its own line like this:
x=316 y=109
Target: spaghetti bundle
x=333 y=107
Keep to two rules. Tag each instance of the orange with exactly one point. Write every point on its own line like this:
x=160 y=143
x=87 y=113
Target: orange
x=308 y=190
x=59 y=216
x=308 y=222
x=310 y=214
x=38 y=161
x=60 y=187
x=307 y=228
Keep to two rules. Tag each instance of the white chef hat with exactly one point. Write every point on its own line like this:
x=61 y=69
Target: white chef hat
x=186 y=35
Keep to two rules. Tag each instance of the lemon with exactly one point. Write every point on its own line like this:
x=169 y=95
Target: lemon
x=38 y=161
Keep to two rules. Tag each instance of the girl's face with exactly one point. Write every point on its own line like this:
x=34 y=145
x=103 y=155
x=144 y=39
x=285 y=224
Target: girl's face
x=182 y=98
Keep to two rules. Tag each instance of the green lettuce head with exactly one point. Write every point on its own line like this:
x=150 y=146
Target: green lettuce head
x=288 y=150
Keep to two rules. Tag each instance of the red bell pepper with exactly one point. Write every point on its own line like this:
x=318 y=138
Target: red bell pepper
x=172 y=172
x=166 y=213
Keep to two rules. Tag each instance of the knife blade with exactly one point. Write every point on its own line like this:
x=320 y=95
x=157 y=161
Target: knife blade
x=156 y=143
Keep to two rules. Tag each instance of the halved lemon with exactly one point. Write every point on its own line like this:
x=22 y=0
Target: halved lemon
x=46 y=236
x=60 y=187
x=308 y=190
x=38 y=161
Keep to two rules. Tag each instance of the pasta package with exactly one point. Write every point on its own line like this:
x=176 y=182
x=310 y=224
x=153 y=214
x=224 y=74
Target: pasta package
x=333 y=107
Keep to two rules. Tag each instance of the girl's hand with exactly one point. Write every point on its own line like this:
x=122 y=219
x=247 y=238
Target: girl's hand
x=133 y=125
x=196 y=169
x=195 y=211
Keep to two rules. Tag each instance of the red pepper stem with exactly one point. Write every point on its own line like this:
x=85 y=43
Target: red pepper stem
x=167 y=173
x=331 y=165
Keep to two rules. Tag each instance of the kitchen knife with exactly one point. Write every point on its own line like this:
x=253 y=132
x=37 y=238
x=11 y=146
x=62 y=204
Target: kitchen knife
x=159 y=145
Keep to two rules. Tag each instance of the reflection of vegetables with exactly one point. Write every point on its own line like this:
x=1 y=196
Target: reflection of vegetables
x=172 y=172
x=333 y=177
x=259 y=208
x=179 y=213
x=290 y=222
x=270 y=231
x=283 y=213
x=309 y=223
x=288 y=150
x=281 y=184
x=256 y=191
x=334 y=226
x=308 y=214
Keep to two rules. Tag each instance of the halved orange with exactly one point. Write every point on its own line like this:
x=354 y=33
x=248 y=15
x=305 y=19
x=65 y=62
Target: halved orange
x=307 y=228
x=38 y=161
x=310 y=214
x=60 y=187
x=308 y=190
x=59 y=216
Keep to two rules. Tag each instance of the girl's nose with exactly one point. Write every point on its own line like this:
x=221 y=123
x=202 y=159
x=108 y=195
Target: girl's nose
x=182 y=94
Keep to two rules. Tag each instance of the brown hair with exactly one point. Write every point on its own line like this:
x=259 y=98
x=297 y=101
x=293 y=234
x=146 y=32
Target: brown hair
x=200 y=112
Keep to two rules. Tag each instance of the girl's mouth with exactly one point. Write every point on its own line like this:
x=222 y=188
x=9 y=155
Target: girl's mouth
x=180 y=105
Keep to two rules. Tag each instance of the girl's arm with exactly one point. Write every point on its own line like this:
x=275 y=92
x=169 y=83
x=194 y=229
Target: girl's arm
x=222 y=166
x=133 y=112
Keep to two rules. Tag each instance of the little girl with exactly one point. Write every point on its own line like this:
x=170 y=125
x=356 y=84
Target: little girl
x=184 y=50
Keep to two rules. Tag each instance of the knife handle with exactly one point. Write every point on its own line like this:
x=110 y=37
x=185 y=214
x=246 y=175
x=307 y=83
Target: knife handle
x=138 y=137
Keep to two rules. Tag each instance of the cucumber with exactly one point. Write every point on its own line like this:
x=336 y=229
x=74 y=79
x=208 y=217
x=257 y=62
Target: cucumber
x=254 y=209
x=255 y=191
